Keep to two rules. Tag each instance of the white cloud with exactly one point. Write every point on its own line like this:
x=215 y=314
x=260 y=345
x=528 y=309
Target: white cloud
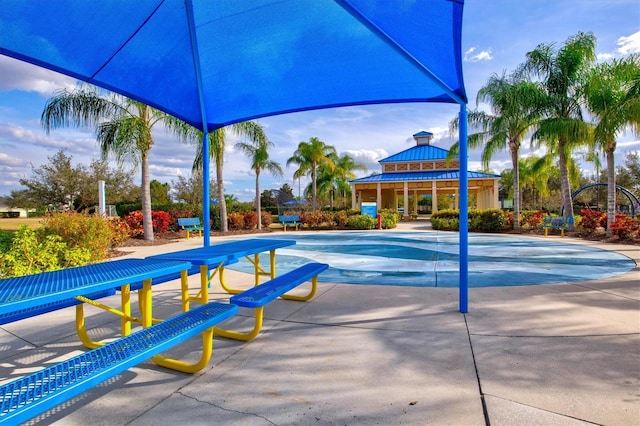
x=603 y=57
x=629 y=44
x=628 y=144
x=10 y=161
x=24 y=76
x=484 y=55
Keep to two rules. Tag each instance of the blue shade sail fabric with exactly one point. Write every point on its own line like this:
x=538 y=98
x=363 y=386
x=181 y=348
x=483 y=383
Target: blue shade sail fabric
x=241 y=60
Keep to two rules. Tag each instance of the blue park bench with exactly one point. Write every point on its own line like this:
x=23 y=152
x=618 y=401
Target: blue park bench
x=560 y=222
x=257 y=297
x=28 y=396
x=289 y=220
x=191 y=224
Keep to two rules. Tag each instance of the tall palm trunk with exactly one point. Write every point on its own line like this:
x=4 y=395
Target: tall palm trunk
x=147 y=221
x=516 y=189
x=565 y=186
x=258 y=207
x=313 y=185
x=223 y=204
x=611 y=190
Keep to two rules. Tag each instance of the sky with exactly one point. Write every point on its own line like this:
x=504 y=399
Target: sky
x=496 y=35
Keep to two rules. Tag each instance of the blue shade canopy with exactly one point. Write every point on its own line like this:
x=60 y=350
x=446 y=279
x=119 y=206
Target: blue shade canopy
x=255 y=58
x=213 y=63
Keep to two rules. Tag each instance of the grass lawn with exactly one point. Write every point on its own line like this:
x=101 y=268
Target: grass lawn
x=7 y=224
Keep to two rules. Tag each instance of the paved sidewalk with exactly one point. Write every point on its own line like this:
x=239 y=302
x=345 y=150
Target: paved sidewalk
x=560 y=354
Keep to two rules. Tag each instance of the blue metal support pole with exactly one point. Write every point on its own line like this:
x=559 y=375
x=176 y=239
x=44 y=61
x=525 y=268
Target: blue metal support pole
x=464 y=213
x=206 y=199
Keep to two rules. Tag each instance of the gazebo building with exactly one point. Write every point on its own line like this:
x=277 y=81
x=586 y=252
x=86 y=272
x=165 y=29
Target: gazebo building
x=420 y=171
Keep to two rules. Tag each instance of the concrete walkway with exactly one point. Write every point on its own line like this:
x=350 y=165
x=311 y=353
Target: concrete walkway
x=562 y=354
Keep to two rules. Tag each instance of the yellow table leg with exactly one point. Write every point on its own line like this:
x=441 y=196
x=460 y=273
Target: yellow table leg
x=174 y=364
x=272 y=263
x=238 y=335
x=184 y=287
x=125 y=300
x=314 y=286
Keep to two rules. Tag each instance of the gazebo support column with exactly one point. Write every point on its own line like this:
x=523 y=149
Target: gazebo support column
x=353 y=197
x=405 y=205
x=434 y=197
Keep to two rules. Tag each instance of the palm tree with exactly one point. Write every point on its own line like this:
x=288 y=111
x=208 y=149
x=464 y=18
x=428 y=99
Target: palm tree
x=258 y=152
x=308 y=156
x=562 y=128
x=515 y=109
x=217 y=142
x=610 y=98
x=337 y=180
x=123 y=127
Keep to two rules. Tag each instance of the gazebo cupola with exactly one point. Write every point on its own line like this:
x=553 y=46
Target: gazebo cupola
x=423 y=138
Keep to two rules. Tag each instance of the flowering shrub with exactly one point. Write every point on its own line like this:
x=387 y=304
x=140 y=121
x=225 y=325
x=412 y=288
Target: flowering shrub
x=134 y=222
x=316 y=219
x=590 y=220
x=79 y=230
x=340 y=218
x=265 y=219
x=625 y=227
x=531 y=219
x=235 y=220
x=120 y=231
x=159 y=220
x=250 y=220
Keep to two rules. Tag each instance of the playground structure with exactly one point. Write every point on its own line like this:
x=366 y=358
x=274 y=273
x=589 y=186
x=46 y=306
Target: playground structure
x=634 y=202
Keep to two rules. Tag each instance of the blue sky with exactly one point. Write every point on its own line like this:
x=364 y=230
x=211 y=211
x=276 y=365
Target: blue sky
x=496 y=36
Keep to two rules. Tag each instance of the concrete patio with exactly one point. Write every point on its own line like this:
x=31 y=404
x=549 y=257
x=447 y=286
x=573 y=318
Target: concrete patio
x=559 y=354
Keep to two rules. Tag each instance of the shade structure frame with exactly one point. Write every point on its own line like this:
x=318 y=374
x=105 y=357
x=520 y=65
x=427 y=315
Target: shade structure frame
x=213 y=63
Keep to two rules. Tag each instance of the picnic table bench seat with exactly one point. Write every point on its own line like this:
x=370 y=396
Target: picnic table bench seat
x=560 y=222
x=259 y=296
x=190 y=224
x=289 y=220
x=26 y=397
x=50 y=307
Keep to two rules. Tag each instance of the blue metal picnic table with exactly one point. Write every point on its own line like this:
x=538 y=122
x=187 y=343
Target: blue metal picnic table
x=217 y=255
x=30 y=295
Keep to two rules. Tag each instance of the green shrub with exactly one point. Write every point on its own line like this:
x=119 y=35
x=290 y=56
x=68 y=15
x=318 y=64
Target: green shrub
x=492 y=220
x=388 y=218
x=33 y=251
x=361 y=222
x=445 y=220
x=445 y=224
x=5 y=240
x=82 y=231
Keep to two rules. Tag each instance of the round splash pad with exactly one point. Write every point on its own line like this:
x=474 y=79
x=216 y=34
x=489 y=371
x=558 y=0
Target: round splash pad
x=430 y=259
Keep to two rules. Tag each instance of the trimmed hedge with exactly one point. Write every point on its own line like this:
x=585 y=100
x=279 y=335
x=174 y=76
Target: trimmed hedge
x=492 y=220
